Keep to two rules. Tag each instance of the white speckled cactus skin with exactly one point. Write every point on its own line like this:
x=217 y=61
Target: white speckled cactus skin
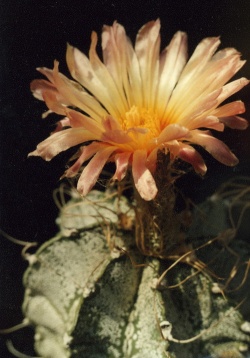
x=91 y=293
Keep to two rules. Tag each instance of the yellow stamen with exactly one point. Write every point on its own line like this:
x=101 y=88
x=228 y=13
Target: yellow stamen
x=143 y=118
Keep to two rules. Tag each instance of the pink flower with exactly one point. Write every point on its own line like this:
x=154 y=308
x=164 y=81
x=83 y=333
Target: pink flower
x=139 y=101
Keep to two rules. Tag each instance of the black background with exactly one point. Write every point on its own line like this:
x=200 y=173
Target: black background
x=33 y=34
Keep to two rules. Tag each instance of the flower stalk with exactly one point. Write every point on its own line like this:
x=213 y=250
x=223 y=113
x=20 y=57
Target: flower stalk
x=158 y=226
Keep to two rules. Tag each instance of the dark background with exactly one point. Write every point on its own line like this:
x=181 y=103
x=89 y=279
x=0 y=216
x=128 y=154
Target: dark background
x=33 y=34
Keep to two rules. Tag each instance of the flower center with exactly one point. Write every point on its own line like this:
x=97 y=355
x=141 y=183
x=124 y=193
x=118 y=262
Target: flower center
x=143 y=118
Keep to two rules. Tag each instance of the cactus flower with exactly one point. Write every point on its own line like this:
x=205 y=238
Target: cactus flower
x=137 y=101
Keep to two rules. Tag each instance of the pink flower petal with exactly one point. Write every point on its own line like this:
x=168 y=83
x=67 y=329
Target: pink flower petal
x=230 y=109
x=235 y=122
x=143 y=179
x=52 y=102
x=171 y=132
x=211 y=122
x=152 y=160
x=190 y=155
x=122 y=162
x=114 y=132
x=227 y=115
x=47 y=73
x=61 y=141
x=110 y=124
x=92 y=171
x=86 y=153
x=37 y=88
x=214 y=146
x=46 y=91
x=62 y=124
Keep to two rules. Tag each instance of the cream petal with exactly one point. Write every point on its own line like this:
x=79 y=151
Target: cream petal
x=117 y=100
x=189 y=85
x=116 y=57
x=221 y=70
x=193 y=112
x=113 y=56
x=61 y=141
x=77 y=96
x=82 y=71
x=92 y=171
x=172 y=62
x=214 y=146
x=232 y=56
x=134 y=89
x=143 y=179
x=234 y=61
x=78 y=119
x=95 y=77
x=200 y=57
x=215 y=74
x=231 y=88
x=147 y=47
x=199 y=86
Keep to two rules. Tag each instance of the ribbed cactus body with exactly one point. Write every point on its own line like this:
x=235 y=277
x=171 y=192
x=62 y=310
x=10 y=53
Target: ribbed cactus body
x=91 y=293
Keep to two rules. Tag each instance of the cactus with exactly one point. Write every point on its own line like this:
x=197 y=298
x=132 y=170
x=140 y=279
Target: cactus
x=102 y=286
x=91 y=293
